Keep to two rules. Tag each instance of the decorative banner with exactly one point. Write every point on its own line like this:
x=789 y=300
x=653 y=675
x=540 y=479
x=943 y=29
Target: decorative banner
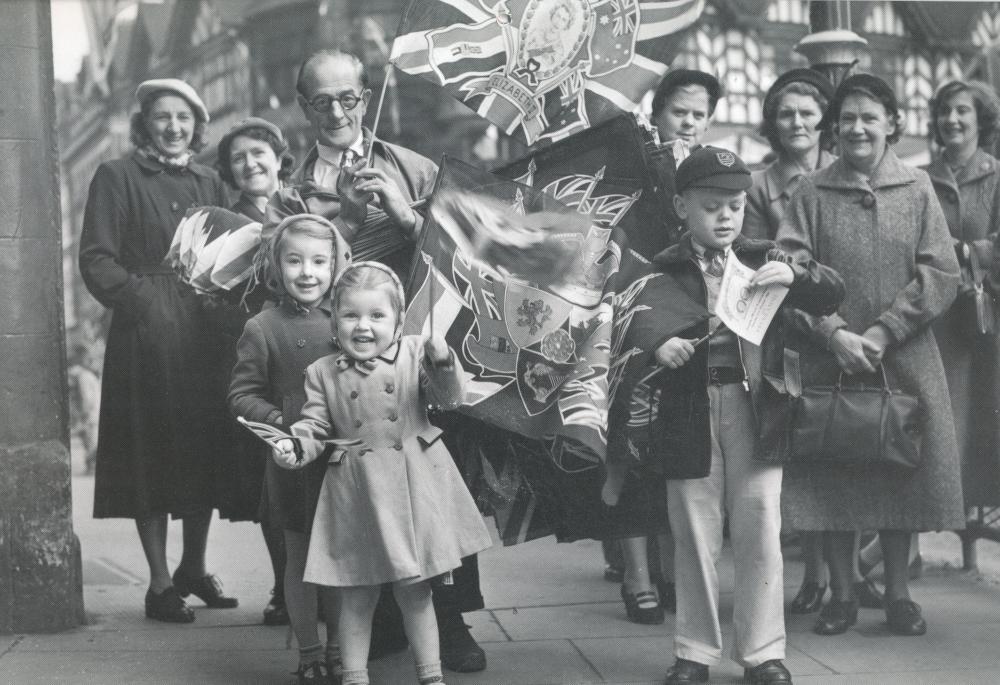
x=213 y=249
x=543 y=70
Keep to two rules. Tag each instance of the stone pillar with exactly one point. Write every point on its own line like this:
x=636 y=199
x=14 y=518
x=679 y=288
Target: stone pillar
x=40 y=581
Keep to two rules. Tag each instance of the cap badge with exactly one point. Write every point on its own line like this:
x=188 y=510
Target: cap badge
x=726 y=159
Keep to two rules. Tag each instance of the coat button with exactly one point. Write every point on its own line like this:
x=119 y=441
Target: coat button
x=174 y=206
x=398 y=446
x=389 y=387
x=868 y=201
x=354 y=394
x=357 y=423
x=300 y=343
x=393 y=417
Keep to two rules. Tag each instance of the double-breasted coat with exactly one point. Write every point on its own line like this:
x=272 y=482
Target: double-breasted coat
x=971 y=203
x=158 y=406
x=393 y=506
x=888 y=239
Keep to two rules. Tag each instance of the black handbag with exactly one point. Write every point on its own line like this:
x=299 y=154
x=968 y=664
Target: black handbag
x=977 y=302
x=856 y=425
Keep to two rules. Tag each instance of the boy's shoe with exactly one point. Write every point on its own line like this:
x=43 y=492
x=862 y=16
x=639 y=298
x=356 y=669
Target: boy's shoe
x=276 y=613
x=459 y=650
x=903 y=617
x=208 y=589
x=684 y=671
x=168 y=606
x=767 y=673
x=836 y=617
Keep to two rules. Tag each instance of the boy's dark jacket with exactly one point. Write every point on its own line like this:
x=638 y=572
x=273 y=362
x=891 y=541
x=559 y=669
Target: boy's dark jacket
x=681 y=430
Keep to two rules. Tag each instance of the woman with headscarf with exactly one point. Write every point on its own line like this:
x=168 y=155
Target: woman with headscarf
x=878 y=223
x=156 y=396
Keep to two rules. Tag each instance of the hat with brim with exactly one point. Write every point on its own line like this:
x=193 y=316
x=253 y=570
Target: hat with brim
x=868 y=83
x=176 y=86
x=801 y=75
x=676 y=78
x=709 y=167
x=244 y=125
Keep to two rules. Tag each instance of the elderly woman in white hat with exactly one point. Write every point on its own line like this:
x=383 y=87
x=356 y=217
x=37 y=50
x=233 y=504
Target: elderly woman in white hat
x=152 y=459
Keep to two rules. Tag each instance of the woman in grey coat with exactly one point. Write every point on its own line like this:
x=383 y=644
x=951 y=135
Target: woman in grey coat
x=966 y=179
x=878 y=223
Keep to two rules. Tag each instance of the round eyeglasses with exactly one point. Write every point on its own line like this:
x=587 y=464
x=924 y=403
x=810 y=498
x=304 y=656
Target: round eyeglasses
x=323 y=103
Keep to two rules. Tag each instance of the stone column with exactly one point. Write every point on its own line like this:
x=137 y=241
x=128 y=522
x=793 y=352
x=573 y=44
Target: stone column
x=40 y=581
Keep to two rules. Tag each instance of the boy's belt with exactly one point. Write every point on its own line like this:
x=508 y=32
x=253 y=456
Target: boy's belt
x=724 y=375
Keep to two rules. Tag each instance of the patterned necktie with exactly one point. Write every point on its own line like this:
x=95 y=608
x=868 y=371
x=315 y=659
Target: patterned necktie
x=715 y=261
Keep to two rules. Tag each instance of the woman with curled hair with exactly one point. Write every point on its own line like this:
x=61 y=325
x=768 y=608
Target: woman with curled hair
x=793 y=106
x=966 y=178
x=157 y=399
x=878 y=223
x=253 y=159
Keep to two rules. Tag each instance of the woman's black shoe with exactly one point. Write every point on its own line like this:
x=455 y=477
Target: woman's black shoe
x=650 y=614
x=168 y=606
x=869 y=595
x=276 y=613
x=836 y=617
x=809 y=599
x=903 y=617
x=208 y=589
x=667 y=591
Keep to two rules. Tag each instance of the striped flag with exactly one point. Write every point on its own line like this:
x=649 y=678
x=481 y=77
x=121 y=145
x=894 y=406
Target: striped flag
x=213 y=249
x=543 y=70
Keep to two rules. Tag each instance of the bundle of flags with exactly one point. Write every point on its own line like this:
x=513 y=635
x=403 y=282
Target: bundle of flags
x=542 y=70
x=213 y=249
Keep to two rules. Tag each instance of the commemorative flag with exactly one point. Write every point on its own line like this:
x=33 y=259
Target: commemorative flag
x=543 y=70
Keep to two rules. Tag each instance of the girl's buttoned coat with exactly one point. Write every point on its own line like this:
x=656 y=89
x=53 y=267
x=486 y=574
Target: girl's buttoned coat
x=888 y=239
x=971 y=203
x=393 y=506
x=268 y=386
x=159 y=409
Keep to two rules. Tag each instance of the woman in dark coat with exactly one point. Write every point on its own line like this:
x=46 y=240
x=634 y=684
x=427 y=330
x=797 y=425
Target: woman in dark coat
x=253 y=159
x=966 y=179
x=156 y=396
x=878 y=223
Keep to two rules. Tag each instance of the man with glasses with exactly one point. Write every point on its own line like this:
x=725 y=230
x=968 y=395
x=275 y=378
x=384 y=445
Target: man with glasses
x=336 y=182
x=335 y=179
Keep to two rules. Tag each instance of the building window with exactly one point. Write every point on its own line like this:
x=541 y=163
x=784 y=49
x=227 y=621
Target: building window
x=789 y=11
x=882 y=19
x=734 y=57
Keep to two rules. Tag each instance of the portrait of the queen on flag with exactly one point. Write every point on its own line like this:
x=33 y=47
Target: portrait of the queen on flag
x=543 y=70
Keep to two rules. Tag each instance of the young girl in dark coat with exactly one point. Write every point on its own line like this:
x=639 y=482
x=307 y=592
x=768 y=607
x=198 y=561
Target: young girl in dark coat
x=276 y=347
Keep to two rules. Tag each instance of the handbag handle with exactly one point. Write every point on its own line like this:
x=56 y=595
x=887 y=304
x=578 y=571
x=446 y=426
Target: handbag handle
x=885 y=380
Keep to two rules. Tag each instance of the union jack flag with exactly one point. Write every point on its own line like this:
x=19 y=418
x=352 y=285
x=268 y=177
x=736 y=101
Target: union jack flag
x=543 y=70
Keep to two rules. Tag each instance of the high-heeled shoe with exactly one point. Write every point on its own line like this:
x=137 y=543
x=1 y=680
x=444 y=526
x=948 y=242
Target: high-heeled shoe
x=809 y=598
x=643 y=607
x=667 y=591
x=836 y=617
x=208 y=589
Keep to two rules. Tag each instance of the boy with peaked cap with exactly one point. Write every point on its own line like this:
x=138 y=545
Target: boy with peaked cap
x=715 y=424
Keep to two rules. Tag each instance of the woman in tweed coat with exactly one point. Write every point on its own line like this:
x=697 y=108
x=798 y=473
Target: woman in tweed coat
x=966 y=179
x=877 y=222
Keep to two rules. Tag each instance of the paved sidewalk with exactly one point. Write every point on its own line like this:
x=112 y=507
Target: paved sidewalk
x=551 y=618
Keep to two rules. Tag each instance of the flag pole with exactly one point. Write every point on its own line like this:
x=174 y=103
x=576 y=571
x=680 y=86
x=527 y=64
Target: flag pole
x=378 y=110
x=429 y=261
